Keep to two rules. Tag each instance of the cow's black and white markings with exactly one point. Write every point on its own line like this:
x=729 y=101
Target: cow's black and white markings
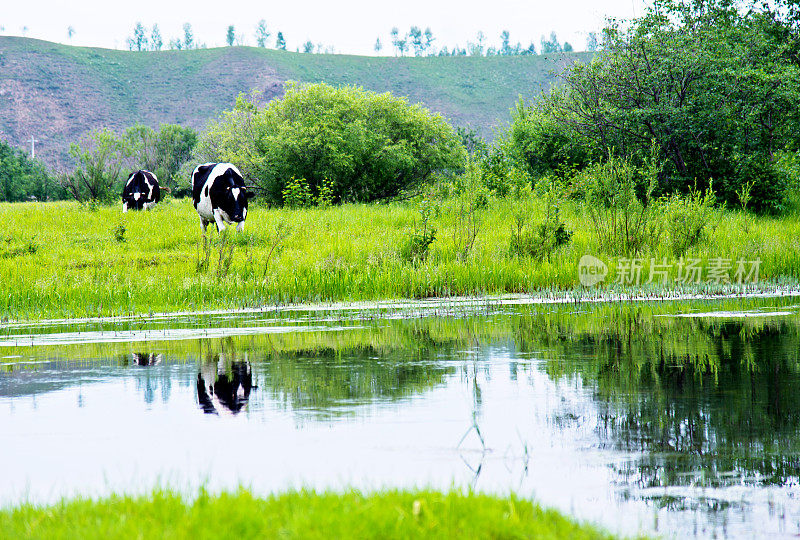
x=141 y=191
x=219 y=195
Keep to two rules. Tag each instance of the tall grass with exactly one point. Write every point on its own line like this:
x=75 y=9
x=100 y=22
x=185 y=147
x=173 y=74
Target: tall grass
x=66 y=260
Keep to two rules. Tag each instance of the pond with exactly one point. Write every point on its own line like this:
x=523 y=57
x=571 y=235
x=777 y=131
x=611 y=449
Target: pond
x=674 y=418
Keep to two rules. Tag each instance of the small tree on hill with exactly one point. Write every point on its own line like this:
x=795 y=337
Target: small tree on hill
x=415 y=34
x=262 y=34
x=188 y=36
x=551 y=45
x=139 y=40
x=429 y=39
x=155 y=38
x=591 y=42
x=378 y=45
x=280 y=42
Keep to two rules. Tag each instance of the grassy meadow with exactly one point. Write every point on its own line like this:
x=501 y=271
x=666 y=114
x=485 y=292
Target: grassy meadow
x=66 y=260
x=391 y=514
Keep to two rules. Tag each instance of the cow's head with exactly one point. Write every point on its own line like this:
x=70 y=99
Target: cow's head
x=134 y=200
x=138 y=191
x=234 y=197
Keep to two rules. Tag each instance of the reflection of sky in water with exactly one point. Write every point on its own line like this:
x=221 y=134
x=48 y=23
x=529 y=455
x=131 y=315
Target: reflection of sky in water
x=99 y=427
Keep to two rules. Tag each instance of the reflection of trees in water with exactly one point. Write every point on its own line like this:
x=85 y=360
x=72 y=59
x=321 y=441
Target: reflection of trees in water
x=707 y=402
x=333 y=375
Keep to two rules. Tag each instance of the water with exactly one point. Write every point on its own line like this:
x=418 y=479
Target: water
x=629 y=416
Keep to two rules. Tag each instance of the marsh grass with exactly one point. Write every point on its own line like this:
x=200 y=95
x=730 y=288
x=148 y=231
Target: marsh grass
x=302 y=514
x=63 y=260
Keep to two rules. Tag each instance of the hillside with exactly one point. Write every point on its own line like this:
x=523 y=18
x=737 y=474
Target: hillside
x=58 y=92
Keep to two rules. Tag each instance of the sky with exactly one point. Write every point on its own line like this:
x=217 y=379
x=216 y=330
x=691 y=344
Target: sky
x=349 y=26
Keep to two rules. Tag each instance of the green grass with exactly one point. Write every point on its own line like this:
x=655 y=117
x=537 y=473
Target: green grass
x=391 y=514
x=64 y=260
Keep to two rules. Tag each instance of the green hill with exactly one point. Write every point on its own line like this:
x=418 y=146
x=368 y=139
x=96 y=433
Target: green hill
x=57 y=92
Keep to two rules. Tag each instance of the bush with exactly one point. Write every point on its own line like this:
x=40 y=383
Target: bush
x=541 y=240
x=374 y=146
x=101 y=157
x=297 y=194
x=619 y=201
x=546 y=145
x=714 y=85
x=686 y=219
x=23 y=179
x=415 y=248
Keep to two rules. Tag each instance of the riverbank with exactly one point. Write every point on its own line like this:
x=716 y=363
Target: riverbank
x=391 y=514
x=63 y=260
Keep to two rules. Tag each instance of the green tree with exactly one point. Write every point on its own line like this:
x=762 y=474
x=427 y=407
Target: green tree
x=230 y=36
x=139 y=40
x=505 y=43
x=188 y=37
x=551 y=45
x=591 y=42
x=262 y=34
x=428 y=42
x=280 y=42
x=373 y=146
x=22 y=178
x=568 y=47
x=716 y=88
x=70 y=32
x=395 y=33
x=100 y=157
x=162 y=152
x=308 y=47
x=415 y=34
x=156 y=42
x=378 y=45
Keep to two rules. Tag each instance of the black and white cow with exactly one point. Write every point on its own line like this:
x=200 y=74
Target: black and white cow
x=141 y=191
x=219 y=195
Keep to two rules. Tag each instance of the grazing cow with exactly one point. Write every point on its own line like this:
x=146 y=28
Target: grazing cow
x=219 y=195
x=141 y=191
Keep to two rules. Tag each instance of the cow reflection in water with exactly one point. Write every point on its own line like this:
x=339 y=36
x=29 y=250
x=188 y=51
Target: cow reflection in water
x=224 y=386
x=146 y=359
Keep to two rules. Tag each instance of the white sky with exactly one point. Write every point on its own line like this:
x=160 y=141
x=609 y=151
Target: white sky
x=350 y=26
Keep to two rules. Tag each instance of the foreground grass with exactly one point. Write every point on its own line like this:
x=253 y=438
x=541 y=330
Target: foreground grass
x=65 y=260
x=394 y=514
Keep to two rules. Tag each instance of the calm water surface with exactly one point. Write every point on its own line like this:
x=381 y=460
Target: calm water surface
x=629 y=415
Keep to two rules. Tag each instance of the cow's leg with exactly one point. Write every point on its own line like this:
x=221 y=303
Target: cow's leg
x=219 y=221
x=240 y=226
x=204 y=225
x=124 y=207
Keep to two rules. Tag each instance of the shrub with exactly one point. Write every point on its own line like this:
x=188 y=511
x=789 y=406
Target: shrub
x=22 y=178
x=101 y=157
x=541 y=240
x=374 y=146
x=415 y=248
x=544 y=143
x=619 y=201
x=686 y=219
x=297 y=194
